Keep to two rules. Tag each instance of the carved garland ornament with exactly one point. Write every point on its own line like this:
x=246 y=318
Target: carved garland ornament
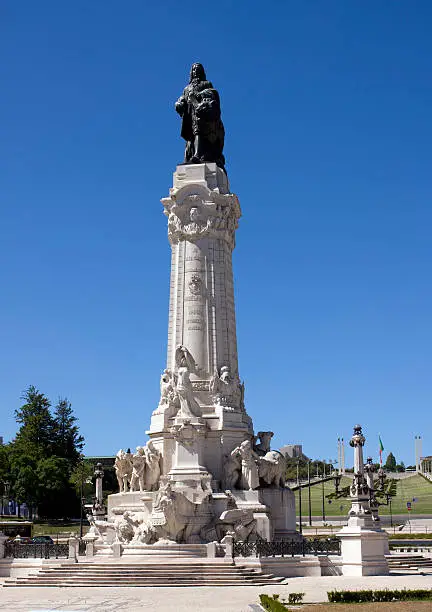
x=197 y=216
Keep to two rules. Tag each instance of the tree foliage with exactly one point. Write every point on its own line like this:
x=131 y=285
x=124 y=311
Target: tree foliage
x=390 y=463
x=299 y=465
x=68 y=442
x=40 y=460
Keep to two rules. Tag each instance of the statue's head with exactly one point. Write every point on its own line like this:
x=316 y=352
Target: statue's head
x=197 y=72
x=194 y=214
x=265 y=436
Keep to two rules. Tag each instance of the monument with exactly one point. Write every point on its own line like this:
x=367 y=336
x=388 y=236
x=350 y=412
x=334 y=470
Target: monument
x=203 y=474
x=364 y=543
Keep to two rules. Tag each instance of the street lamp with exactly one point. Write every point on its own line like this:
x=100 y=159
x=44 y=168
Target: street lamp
x=6 y=485
x=300 y=497
x=322 y=490
x=337 y=478
x=382 y=477
x=81 y=499
x=309 y=494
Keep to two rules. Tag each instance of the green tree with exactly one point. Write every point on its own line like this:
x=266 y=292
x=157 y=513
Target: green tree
x=43 y=455
x=68 y=443
x=56 y=496
x=4 y=462
x=35 y=436
x=82 y=476
x=390 y=463
x=25 y=483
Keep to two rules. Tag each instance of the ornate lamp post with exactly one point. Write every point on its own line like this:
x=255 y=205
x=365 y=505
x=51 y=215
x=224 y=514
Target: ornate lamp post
x=322 y=494
x=369 y=471
x=360 y=513
x=364 y=543
x=98 y=505
x=81 y=498
x=300 y=497
x=382 y=477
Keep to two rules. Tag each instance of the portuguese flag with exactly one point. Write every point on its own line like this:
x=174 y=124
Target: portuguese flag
x=381 y=448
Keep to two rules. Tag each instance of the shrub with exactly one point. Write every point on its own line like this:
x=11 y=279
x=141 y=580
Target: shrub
x=272 y=604
x=378 y=596
x=294 y=598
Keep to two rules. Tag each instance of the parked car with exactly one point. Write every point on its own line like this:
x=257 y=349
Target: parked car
x=21 y=540
x=42 y=540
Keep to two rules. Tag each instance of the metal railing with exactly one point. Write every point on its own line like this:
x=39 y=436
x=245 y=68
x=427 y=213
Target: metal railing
x=35 y=551
x=82 y=548
x=287 y=548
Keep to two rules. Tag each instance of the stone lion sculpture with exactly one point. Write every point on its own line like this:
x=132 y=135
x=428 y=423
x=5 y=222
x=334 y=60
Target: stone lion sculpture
x=271 y=469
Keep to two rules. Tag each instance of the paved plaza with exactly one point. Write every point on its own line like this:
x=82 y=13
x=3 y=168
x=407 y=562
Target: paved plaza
x=187 y=599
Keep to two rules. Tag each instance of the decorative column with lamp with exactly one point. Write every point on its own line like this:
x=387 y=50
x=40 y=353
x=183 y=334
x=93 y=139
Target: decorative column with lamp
x=364 y=543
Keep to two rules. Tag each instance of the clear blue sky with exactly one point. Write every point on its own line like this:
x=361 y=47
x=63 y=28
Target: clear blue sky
x=327 y=110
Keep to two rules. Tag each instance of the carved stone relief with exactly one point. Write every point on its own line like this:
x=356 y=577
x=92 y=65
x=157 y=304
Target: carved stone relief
x=192 y=216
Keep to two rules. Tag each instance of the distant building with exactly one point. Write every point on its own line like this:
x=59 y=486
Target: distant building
x=107 y=461
x=426 y=466
x=1 y=440
x=292 y=450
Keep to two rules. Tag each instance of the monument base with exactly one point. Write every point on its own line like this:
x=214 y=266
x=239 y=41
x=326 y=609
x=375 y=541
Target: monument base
x=135 y=501
x=282 y=513
x=363 y=551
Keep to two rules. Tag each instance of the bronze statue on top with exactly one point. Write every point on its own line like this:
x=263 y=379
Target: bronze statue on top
x=202 y=127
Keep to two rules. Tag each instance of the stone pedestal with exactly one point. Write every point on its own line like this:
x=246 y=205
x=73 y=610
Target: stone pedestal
x=132 y=501
x=189 y=436
x=363 y=551
x=73 y=549
x=281 y=503
x=3 y=540
x=252 y=500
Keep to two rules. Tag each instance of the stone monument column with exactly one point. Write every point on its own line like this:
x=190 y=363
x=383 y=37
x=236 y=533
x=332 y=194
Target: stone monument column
x=202 y=217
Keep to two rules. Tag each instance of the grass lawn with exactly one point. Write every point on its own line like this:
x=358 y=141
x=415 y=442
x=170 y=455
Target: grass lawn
x=414 y=486
x=62 y=530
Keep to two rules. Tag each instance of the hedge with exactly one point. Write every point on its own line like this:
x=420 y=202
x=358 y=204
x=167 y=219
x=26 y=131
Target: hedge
x=378 y=596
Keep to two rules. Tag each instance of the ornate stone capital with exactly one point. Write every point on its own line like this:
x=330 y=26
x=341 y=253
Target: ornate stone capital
x=194 y=211
x=358 y=438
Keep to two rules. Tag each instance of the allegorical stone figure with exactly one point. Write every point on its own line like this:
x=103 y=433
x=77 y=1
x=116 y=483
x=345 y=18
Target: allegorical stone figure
x=202 y=127
x=185 y=367
x=123 y=469
x=249 y=478
x=152 y=456
x=138 y=470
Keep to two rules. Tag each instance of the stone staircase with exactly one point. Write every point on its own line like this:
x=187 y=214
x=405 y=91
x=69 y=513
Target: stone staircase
x=145 y=574
x=406 y=563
